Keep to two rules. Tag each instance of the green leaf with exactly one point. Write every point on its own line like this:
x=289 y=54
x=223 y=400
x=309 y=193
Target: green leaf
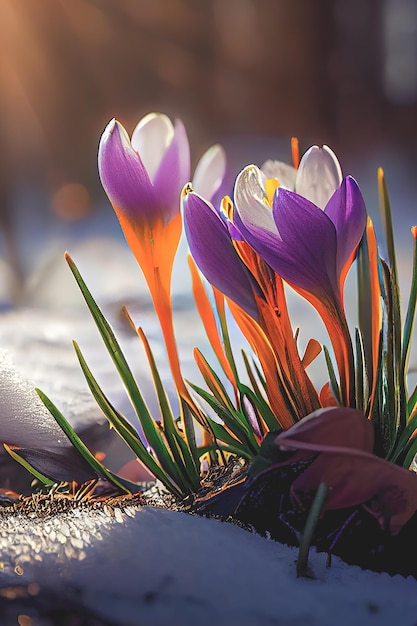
x=43 y=479
x=262 y=406
x=94 y=463
x=410 y=317
x=231 y=449
x=183 y=456
x=361 y=381
x=412 y=403
x=334 y=386
x=312 y=519
x=234 y=422
x=167 y=471
x=390 y=418
x=214 y=383
x=226 y=340
x=151 y=432
x=394 y=306
x=250 y=373
x=385 y=210
x=225 y=439
x=365 y=303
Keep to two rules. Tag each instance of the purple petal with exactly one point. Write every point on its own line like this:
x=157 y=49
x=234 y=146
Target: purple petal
x=308 y=243
x=172 y=174
x=346 y=208
x=123 y=175
x=214 y=254
x=304 y=251
x=234 y=233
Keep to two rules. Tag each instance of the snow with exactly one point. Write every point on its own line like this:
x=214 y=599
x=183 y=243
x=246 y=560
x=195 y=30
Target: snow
x=163 y=567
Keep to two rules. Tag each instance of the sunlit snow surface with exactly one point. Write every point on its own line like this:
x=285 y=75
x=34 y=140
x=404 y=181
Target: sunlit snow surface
x=161 y=567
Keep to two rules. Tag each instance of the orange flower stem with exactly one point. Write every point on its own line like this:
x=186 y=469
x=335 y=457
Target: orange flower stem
x=163 y=308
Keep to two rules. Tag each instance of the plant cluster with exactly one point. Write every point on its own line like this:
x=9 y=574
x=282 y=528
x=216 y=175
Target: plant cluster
x=298 y=226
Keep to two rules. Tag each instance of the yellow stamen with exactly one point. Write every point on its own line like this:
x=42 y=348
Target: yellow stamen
x=271 y=185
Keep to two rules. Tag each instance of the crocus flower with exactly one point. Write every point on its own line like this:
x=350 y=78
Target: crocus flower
x=310 y=248
x=239 y=274
x=143 y=178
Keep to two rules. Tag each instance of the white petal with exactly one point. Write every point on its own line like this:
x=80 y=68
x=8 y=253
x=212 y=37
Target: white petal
x=249 y=200
x=210 y=171
x=318 y=176
x=284 y=173
x=151 y=138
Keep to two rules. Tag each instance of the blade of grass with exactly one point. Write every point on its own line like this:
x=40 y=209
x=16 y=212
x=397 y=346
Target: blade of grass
x=411 y=453
x=250 y=373
x=391 y=418
x=399 y=383
x=221 y=312
x=94 y=463
x=364 y=299
x=224 y=438
x=412 y=403
x=212 y=381
x=225 y=448
x=311 y=523
x=236 y=425
x=262 y=406
x=178 y=446
x=167 y=473
x=361 y=378
x=43 y=479
x=334 y=386
x=411 y=311
x=405 y=440
x=151 y=432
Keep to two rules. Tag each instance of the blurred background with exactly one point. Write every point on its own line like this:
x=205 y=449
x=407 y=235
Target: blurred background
x=246 y=73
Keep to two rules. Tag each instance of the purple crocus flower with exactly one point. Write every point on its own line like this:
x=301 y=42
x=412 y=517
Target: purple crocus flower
x=310 y=248
x=307 y=246
x=213 y=251
x=143 y=177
